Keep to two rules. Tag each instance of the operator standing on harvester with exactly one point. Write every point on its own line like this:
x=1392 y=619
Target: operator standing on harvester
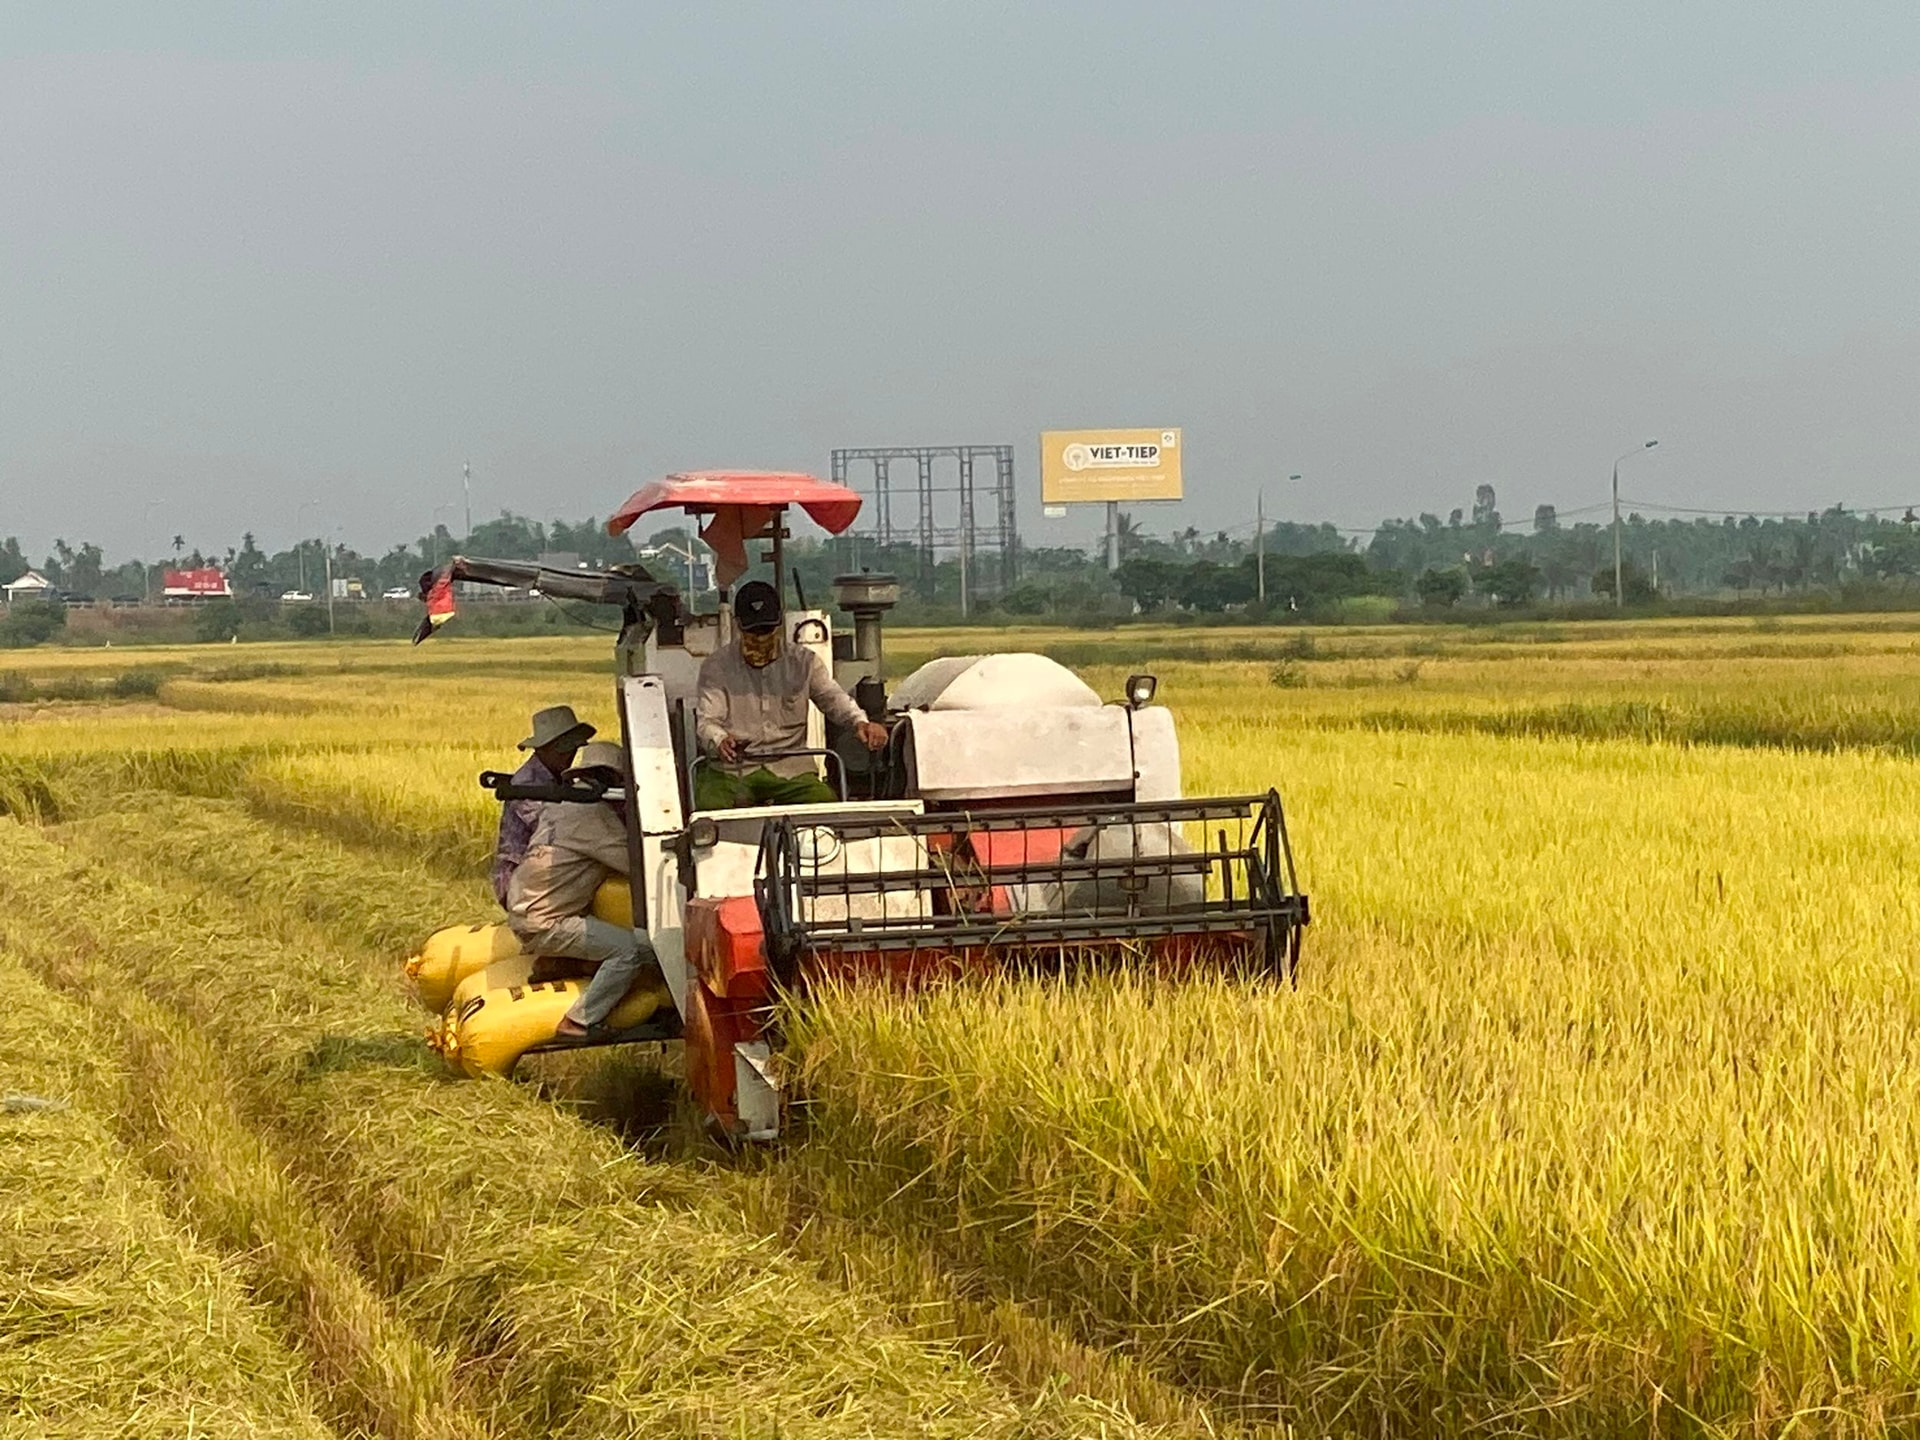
x=753 y=695
x=576 y=846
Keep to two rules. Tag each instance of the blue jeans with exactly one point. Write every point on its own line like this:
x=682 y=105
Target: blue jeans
x=620 y=955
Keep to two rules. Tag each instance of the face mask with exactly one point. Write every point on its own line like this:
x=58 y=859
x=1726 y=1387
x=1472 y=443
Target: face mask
x=760 y=651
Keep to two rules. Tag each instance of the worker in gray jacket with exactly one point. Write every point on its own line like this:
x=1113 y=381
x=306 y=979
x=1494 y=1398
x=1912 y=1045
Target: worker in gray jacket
x=575 y=846
x=753 y=696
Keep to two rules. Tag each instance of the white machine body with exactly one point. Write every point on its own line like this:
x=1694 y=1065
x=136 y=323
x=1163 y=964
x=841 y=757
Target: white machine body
x=983 y=728
x=1017 y=726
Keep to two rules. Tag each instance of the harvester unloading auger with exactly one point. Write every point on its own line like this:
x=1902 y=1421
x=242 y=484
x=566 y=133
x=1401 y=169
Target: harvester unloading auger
x=1013 y=821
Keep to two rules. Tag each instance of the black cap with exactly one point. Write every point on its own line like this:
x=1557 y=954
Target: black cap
x=757 y=607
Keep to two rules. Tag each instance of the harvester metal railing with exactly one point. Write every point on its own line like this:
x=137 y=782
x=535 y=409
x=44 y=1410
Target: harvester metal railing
x=1035 y=878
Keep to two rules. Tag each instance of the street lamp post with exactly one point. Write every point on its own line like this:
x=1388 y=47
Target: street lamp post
x=685 y=552
x=1619 y=593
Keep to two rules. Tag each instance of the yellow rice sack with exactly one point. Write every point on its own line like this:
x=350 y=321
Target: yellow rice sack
x=613 y=902
x=491 y=1030
x=451 y=955
x=501 y=975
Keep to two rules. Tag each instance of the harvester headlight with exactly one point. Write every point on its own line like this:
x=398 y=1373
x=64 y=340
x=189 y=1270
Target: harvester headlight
x=703 y=834
x=1140 y=690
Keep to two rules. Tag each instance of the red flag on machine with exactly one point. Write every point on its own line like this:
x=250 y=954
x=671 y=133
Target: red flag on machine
x=436 y=589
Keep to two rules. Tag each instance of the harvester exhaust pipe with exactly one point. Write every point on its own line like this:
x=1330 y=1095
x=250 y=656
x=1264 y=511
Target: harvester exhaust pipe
x=867 y=597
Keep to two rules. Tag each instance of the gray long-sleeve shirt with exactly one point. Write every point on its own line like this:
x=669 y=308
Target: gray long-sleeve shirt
x=574 y=848
x=767 y=707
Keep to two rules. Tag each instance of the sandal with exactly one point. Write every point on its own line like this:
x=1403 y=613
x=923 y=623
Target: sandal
x=571 y=1032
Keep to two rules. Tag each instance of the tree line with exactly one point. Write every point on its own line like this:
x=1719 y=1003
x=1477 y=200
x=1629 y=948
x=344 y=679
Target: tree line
x=82 y=573
x=1470 y=558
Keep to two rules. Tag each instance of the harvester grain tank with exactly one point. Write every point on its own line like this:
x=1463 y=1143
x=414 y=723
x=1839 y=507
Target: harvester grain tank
x=1014 y=820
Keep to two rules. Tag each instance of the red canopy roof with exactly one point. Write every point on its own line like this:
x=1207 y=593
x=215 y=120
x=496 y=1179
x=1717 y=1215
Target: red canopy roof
x=832 y=507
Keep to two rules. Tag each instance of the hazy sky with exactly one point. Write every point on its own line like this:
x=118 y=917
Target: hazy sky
x=255 y=254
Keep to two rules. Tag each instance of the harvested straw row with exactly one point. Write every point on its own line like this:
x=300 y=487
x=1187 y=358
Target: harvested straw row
x=380 y=1378
x=46 y=785
x=112 y=1320
x=422 y=801
x=387 y=904
x=942 y=1299
x=382 y=905
x=589 y=1293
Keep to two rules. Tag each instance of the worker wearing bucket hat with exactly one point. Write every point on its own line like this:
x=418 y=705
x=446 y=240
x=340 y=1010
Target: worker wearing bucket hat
x=576 y=846
x=557 y=736
x=753 y=697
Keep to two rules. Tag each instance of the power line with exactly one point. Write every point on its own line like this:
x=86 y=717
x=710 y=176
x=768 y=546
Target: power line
x=1505 y=524
x=1855 y=510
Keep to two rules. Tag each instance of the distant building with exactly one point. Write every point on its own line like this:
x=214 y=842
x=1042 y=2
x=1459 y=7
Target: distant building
x=30 y=586
x=205 y=584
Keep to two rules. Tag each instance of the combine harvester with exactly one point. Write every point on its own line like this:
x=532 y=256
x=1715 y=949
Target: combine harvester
x=1013 y=822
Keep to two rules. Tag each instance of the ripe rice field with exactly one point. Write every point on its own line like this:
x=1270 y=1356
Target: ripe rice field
x=1596 y=1110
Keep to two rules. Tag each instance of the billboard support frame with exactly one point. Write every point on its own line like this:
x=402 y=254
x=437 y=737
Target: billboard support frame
x=985 y=523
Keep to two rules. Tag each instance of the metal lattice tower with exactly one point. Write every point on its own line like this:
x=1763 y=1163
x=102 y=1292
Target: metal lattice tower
x=952 y=517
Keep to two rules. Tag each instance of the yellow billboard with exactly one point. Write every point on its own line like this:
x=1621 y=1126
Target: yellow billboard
x=1092 y=465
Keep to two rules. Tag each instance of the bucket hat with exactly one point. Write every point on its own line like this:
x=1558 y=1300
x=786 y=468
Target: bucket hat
x=556 y=723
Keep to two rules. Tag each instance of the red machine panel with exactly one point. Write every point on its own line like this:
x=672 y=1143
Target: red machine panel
x=724 y=946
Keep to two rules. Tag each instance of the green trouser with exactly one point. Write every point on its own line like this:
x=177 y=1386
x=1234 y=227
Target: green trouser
x=717 y=789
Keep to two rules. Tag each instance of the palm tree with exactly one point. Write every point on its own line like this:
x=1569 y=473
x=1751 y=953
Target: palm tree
x=179 y=544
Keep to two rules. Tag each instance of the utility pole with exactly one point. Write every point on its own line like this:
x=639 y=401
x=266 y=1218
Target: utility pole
x=1260 y=543
x=329 y=589
x=300 y=546
x=466 y=488
x=1113 y=536
x=146 y=570
x=1619 y=593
